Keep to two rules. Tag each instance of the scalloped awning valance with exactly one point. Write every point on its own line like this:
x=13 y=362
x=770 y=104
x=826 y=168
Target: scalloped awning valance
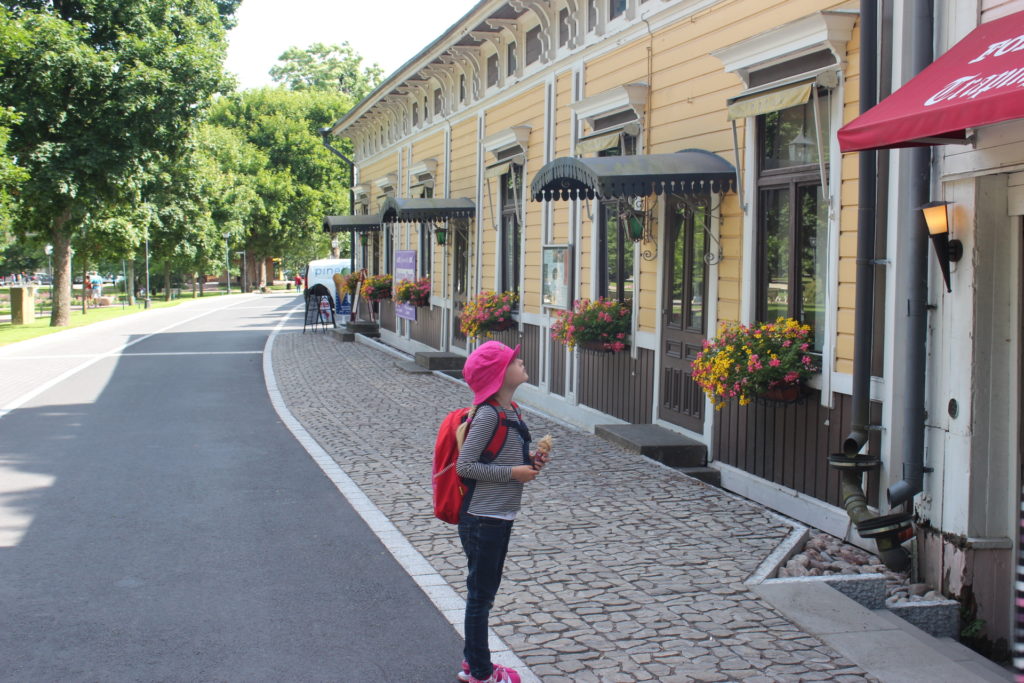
x=402 y=210
x=363 y=223
x=690 y=171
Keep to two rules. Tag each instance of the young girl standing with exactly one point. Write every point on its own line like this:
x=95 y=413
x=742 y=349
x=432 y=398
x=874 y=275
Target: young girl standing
x=495 y=488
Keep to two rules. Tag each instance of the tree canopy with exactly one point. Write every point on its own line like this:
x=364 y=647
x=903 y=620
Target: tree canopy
x=326 y=67
x=106 y=90
x=117 y=127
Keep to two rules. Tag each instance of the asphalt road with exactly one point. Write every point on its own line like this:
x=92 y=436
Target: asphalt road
x=159 y=523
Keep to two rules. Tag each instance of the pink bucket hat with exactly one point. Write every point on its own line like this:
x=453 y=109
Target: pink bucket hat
x=484 y=370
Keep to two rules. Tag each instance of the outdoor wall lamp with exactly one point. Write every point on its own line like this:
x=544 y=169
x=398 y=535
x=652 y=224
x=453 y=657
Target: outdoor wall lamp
x=633 y=218
x=441 y=233
x=936 y=217
x=363 y=238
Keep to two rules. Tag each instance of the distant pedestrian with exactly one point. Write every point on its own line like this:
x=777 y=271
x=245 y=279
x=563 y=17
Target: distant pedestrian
x=97 y=289
x=86 y=290
x=495 y=488
x=298 y=281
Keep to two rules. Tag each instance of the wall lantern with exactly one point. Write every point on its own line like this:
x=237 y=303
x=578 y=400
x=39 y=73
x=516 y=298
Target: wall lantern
x=441 y=233
x=936 y=217
x=634 y=218
x=363 y=239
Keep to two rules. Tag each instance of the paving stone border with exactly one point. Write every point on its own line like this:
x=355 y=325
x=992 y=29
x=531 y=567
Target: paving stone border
x=619 y=569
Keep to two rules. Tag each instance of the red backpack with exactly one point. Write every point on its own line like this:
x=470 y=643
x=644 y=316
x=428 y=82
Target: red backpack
x=449 y=488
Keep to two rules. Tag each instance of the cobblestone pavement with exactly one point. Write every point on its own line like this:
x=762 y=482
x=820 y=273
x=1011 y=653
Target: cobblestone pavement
x=619 y=569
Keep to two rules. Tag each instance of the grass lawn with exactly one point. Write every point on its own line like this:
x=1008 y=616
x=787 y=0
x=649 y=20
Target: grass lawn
x=15 y=333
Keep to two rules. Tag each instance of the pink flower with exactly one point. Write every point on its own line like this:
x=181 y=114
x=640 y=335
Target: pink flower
x=791 y=377
x=774 y=362
x=806 y=360
x=804 y=346
x=786 y=344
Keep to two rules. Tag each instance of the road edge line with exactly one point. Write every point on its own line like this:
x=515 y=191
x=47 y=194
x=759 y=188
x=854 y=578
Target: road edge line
x=433 y=585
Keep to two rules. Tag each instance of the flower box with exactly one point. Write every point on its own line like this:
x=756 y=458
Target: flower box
x=488 y=312
x=597 y=325
x=377 y=287
x=414 y=293
x=767 y=360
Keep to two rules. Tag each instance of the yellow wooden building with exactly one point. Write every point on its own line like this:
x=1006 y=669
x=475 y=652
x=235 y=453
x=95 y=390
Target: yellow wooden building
x=680 y=156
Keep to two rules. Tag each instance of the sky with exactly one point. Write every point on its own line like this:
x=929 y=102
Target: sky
x=388 y=32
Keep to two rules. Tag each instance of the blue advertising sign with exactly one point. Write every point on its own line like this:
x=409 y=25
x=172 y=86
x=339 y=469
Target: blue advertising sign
x=345 y=305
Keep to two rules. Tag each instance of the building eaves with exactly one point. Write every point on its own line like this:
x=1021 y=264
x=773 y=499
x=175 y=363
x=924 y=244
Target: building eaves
x=483 y=10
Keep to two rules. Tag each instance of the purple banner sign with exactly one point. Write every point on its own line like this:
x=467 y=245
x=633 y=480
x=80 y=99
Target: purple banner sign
x=405 y=269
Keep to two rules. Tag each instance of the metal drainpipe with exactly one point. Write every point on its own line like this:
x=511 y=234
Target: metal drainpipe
x=885 y=531
x=913 y=357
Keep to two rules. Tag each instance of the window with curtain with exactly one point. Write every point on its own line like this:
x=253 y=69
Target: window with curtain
x=792 y=217
x=616 y=8
x=511 y=231
x=460 y=260
x=425 y=250
x=615 y=248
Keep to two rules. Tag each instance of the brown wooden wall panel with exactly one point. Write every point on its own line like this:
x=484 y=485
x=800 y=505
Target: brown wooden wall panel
x=386 y=315
x=616 y=384
x=556 y=373
x=427 y=327
x=789 y=443
x=530 y=348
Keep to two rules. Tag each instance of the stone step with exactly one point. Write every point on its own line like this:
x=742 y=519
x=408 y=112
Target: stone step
x=885 y=646
x=657 y=443
x=411 y=367
x=341 y=334
x=440 y=360
x=363 y=327
x=708 y=475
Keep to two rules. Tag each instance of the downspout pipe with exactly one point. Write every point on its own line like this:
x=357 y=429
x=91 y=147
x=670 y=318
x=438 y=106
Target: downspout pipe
x=325 y=135
x=885 y=531
x=865 y=290
x=914 y=257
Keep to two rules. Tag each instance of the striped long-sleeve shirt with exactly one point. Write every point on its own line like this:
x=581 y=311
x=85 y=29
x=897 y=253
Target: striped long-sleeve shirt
x=495 y=493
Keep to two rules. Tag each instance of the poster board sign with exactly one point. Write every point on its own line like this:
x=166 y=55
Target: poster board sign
x=557 y=271
x=405 y=269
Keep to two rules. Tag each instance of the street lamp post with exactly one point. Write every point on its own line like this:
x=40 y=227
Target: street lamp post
x=48 y=250
x=147 y=269
x=227 y=261
x=245 y=270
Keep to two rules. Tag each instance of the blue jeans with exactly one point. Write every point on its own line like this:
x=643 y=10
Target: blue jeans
x=485 y=541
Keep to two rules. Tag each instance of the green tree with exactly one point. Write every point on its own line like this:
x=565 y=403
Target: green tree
x=105 y=89
x=326 y=67
x=300 y=181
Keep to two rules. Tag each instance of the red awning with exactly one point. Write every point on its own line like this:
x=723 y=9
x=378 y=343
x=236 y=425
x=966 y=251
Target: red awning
x=979 y=81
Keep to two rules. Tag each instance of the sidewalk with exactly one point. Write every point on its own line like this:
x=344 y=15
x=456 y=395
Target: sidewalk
x=619 y=569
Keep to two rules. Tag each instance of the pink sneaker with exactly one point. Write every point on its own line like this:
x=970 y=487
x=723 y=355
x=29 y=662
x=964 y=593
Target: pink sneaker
x=501 y=674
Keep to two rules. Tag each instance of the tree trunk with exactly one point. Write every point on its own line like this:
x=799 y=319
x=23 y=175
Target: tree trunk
x=167 y=282
x=263 y=273
x=60 y=288
x=195 y=280
x=129 y=283
x=202 y=282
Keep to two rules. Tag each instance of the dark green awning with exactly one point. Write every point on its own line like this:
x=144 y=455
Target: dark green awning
x=401 y=210
x=690 y=171
x=358 y=223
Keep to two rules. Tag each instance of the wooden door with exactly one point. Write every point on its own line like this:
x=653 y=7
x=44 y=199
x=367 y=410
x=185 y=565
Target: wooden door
x=684 y=318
